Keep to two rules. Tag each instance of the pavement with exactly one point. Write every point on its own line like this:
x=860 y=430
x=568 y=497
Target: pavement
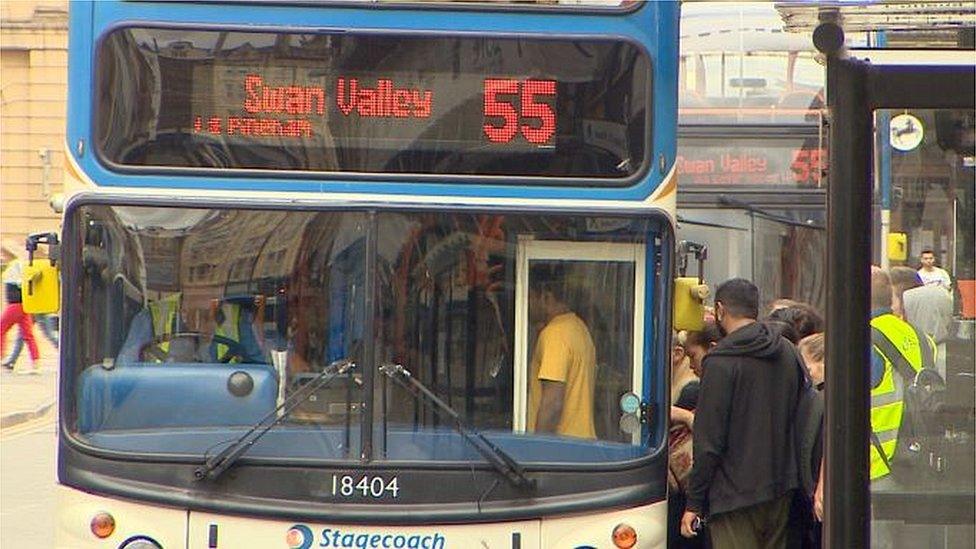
x=27 y=397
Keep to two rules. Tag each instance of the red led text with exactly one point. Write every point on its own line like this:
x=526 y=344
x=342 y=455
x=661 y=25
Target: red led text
x=535 y=116
x=261 y=98
x=383 y=101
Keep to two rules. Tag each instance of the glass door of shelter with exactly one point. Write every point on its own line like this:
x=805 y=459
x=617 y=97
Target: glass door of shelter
x=922 y=318
x=579 y=321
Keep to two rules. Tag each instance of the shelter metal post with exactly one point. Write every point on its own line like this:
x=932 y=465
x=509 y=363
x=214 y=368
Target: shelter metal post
x=849 y=196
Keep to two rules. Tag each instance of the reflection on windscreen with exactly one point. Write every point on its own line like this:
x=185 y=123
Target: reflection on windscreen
x=198 y=323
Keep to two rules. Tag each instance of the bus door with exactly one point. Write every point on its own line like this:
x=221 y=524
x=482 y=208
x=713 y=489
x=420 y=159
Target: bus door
x=602 y=284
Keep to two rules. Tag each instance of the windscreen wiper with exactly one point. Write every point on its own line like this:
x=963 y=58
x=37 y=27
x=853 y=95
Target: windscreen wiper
x=214 y=466
x=501 y=461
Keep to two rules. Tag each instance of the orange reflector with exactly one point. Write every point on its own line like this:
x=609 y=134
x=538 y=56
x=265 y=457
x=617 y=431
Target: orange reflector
x=624 y=536
x=102 y=525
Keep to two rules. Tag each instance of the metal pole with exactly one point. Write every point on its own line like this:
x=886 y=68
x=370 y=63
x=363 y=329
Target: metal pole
x=847 y=495
x=883 y=176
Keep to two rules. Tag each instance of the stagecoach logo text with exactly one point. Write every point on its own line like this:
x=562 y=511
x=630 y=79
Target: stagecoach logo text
x=300 y=536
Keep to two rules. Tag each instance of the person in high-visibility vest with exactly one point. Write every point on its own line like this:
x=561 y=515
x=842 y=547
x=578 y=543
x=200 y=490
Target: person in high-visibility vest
x=887 y=393
x=162 y=318
x=235 y=322
x=165 y=316
x=157 y=322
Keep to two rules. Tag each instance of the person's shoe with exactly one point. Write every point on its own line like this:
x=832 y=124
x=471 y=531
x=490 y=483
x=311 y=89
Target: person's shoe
x=23 y=371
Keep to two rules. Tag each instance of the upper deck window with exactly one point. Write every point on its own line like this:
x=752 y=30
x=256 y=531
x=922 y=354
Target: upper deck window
x=739 y=66
x=373 y=103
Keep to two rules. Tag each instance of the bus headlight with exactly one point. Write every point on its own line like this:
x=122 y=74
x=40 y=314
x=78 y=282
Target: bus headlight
x=140 y=542
x=624 y=536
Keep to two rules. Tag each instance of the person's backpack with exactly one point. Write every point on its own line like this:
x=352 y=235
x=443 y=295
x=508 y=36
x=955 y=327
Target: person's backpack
x=922 y=422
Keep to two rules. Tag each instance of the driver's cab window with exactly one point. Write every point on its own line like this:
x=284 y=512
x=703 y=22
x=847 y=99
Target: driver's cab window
x=205 y=317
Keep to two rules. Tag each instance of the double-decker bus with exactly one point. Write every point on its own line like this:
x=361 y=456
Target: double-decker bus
x=315 y=263
x=752 y=148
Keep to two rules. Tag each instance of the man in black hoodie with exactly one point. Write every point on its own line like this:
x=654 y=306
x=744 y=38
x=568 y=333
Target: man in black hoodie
x=745 y=465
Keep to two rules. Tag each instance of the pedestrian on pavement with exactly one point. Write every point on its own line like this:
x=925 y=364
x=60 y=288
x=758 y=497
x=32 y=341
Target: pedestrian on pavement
x=13 y=313
x=745 y=460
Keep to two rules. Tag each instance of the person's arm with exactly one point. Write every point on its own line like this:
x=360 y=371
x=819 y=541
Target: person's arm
x=249 y=340
x=554 y=361
x=711 y=429
x=818 y=494
x=946 y=279
x=140 y=333
x=683 y=417
x=550 y=406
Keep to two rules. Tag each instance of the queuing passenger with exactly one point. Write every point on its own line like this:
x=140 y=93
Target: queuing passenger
x=894 y=341
x=686 y=359
x=902 y=280
x=684 y=380
x=780 y=303
x=802 y=316
x=684 y=393
x=744 y=468
x=812 y=351
x=686 y=370
x=928 y=308
x=932 y=275
x=698 y=343
x=782 y=328
x=563 y=368
x=795 y=321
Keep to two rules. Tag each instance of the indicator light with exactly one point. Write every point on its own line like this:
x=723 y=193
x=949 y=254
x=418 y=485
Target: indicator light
x=624 y=536
x=102 y=525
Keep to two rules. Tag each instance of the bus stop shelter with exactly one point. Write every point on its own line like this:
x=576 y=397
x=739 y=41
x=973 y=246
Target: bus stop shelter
x=859 y=85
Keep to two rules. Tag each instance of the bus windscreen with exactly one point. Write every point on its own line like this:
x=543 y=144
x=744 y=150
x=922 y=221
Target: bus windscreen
x=373 y=103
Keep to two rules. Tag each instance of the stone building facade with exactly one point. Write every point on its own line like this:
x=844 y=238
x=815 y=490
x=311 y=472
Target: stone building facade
x=33 y=91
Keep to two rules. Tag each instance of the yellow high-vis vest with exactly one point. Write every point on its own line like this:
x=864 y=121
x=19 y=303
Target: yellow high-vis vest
x=164 y=318
x=887 y=398
x=229 y=328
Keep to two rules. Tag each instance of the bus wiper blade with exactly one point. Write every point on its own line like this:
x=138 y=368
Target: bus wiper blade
x=501 y=461
x=214 y=466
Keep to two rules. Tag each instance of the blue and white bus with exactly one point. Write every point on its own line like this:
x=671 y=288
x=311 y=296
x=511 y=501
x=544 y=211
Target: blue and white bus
x=308 y=254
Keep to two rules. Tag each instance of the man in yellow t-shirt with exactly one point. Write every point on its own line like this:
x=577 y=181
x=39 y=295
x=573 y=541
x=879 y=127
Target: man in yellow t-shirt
x=563 y=369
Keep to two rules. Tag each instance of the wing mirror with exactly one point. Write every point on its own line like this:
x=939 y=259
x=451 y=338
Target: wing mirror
x=41 y=283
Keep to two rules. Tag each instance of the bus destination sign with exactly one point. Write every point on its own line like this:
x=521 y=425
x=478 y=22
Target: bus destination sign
x=380 y=104
x=511 y=108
